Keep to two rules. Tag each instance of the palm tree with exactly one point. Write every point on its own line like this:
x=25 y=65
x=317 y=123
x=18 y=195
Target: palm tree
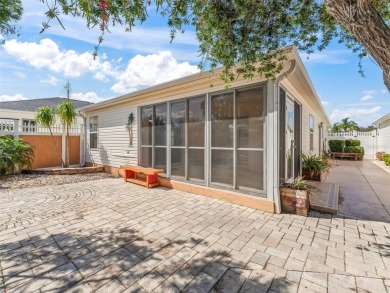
x=337 y=127
x=67 y=115
x=46 y=117
x=348 y=125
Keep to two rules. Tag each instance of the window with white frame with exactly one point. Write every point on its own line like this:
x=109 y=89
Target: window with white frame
x=93 y=132
x=311 y=131
x=28 y=125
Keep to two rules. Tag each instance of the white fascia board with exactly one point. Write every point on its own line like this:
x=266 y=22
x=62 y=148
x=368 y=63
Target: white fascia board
x=382 y=119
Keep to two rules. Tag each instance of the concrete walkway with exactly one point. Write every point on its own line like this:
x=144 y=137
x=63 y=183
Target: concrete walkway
x=109 y=236
x=364 y=190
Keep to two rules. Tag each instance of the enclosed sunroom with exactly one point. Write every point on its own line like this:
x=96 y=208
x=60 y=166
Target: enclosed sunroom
x=238 y=144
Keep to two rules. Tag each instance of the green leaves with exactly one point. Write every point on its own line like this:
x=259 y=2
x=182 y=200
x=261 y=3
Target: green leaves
x=45 y=116
x=14 y=151
x=249 y=33
x=10 y=12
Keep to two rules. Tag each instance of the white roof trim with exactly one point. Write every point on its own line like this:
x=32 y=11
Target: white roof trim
x=382 y=119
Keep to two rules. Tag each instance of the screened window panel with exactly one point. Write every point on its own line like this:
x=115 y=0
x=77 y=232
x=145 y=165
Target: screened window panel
x=249 y=113
x=160 y=131
x=178 y=162
x=222 y=120
x=196 y=122
x=146 y=123
x=178 y=123
x=146 y=156
x=222 y=166
x=250 y=169
x=160 y=158
x=196 y=164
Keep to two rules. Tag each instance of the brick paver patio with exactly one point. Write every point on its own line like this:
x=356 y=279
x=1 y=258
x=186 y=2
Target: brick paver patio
x=107 y=236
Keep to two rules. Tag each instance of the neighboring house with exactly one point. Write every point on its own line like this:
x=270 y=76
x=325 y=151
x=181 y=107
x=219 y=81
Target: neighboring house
x=17 y=118
x=24 y=110
x=238 y=144
x=383 y=125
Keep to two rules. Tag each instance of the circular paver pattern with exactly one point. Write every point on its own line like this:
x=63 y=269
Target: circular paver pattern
x=37 y=204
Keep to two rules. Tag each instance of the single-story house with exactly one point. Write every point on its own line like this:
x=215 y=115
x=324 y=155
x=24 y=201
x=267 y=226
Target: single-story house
x=23 y=111
x=236 y=143
x=17 y=119
x=383 y=126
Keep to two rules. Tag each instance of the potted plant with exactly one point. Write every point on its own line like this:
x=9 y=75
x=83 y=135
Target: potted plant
x=295 y=196
x=313 y=167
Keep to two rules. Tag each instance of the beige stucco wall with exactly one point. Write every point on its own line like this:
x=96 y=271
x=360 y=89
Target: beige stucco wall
x=20 y=115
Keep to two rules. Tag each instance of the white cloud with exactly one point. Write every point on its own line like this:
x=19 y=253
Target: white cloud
x=362 y=116
x=17 y=97
x=150 y=70
x=369 y=92
x=52 y=80
x=384 y=91
x=324 y=103
x=141 y=71
x=366 y=97
x=19 y=74
x=88 y=97
x=327 y=57
x=46 y=54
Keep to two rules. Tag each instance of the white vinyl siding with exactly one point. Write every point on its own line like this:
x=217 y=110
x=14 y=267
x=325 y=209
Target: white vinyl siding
x=113 y=139
x=384 y=137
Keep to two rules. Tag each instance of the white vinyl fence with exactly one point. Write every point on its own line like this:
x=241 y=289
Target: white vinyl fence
x=12 y=127
x=368 y=140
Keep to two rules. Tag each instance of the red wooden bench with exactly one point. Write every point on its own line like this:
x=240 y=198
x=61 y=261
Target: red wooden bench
x=355 y=156
x=131 y=174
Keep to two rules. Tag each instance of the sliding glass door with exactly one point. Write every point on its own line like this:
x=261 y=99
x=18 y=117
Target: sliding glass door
x=237 y=139
x=178 y=138
x=222 y=139
x=250 y=139
x=196 y=138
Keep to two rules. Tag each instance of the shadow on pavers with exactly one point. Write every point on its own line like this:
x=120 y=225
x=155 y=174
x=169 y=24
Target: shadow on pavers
x=108 y=260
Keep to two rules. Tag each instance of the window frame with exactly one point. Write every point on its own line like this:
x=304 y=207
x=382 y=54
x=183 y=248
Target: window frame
x=93 y=132
x=29 y=127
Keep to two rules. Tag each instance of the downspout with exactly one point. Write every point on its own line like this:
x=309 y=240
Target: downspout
x=83 y=158
x=276 y=106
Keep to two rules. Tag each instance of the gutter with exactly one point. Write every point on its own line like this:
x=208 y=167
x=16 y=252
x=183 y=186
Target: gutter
x=83 y=157
x=276 y=191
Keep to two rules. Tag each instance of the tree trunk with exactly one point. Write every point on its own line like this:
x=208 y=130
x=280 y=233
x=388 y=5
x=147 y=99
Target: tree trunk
x=55 y=144
x=367 y=26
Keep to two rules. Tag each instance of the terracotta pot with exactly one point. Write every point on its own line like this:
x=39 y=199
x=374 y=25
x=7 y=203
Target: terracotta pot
x=295 y=201
x=316 y=176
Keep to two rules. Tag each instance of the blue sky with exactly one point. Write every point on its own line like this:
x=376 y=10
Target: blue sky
x=38 y=65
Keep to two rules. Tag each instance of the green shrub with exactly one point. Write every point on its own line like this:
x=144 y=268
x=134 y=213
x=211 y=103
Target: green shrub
x=14 y=151
x=387 y=161
x=352 y=142
x=379 y=155
x=385 y=157
x=355 y=149
x=314 y=163
x=336 y=145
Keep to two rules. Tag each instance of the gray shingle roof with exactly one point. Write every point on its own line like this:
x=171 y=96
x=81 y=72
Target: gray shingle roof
x=33 y=104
